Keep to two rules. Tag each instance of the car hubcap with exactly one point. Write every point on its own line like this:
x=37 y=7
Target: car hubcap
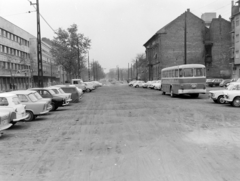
x=222 y=100
x=237 y=102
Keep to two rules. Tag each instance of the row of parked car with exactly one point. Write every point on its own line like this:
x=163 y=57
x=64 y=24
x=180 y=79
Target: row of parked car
x=155 y=84
x=230 y=93
x=27 y=105
x=220 y=82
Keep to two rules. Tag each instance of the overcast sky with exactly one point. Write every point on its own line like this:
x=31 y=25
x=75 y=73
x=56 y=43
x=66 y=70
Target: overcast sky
x=117 y=28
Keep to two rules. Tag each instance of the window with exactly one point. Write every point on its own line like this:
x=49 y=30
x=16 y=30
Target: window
x=176 y=73
x=237 y=37
x=180 y=73
x=198 y=72
x=188 y=72
x=22 y=98
x=3 y=101
x=237 y=21
x=1 y=48
x=32 y=97
x=237 y=54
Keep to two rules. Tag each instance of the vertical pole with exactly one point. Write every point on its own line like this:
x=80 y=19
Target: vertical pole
x=88 y=68
x=128 y=72
x=39 y=49
x=93 y=71
x=131 y=71
x=51 y=71
x=96 y=71
x=136 y=71
x=78 y=63
x=185 y=38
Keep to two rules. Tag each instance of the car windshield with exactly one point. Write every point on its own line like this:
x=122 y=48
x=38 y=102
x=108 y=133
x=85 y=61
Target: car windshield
x=51 y=91
x=37 y=95
x=32 y=97
x=234 y=87
x=16 y=101
x=61 y=91
x=56 y=91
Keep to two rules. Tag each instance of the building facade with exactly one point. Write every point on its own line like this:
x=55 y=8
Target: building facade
x=14 y=57
x=167 y=47
x=235 y=44
x=18 y=59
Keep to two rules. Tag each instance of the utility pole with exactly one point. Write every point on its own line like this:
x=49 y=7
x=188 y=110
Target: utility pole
x=93 y=70
x=39 y=47
x=88 y=67
x=96 y=71
x=128 y=72
x=78 y=65
x=136 y=71
x=131 y=71
x=185 y=38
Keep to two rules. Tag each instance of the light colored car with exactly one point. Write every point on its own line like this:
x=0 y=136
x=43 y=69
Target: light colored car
x=138 y=84
x=151 y=84
x=232 y=96
x=11 y=101
x=146 y=84
x=48 y=101
x=89 y=86
x=98 y=84
x=79 y=83
x=34 y=107
x=61 y=93
x=131 y=83
x=157 y=85
x=5 y=119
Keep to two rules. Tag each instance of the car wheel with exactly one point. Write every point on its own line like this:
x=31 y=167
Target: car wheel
x=163 y=93
x=236 y=102
x=54 y=107
x=220 y=99
x=30 y=116
x=137 y=86
x=88 y=90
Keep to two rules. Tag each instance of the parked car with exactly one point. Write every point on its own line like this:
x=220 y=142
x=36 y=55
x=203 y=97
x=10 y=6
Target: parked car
x=80 y=84
x=131 y=83
x=98 y=84
x=224 y=82
x=5 y=119
x=34 y=108
x=12 y=102
x=90 y=86
x=75 y=94
x=146 y=84
x=48 y=101
x=157 y=85
x=214 y=82
x=232 y=95
x=57 y=101
x=61 y=93
x=138 y=84
x=151 y=84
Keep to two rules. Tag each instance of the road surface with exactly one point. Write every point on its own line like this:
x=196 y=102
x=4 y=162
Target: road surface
x=120 y=133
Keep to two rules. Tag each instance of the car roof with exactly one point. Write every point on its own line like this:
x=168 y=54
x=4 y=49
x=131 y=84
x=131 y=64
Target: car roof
x=23 y=92
x=7 y=94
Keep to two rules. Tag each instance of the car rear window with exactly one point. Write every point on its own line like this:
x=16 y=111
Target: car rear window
x=22 y=98
x=69 y=89
x=16 y=101
x=32 y=97
x=3 y=101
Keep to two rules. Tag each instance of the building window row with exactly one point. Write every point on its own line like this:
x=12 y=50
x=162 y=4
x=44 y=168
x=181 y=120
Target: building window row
x=13 y=37
x=14 y=52
x=13 y=66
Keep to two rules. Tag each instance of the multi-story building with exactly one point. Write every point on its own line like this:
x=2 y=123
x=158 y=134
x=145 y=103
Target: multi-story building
x=167 y=47
x=14 y=56
x=235 y=44
x=18 y=59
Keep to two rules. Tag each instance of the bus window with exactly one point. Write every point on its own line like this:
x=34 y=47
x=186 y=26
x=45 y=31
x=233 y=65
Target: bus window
x=173 y=73
x=180 y=73
x=198 y=72
x=188 y=72
x=176 y=73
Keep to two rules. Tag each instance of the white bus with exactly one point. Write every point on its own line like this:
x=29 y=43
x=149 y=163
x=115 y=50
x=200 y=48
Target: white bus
x=184 y=79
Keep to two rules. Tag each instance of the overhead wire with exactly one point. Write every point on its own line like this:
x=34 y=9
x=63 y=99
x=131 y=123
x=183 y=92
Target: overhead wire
x=44 y=19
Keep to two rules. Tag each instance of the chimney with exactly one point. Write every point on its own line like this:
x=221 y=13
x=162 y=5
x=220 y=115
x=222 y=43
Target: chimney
x=188 y=10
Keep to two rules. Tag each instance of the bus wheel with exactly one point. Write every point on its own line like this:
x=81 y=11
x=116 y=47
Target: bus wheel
x=163 y=93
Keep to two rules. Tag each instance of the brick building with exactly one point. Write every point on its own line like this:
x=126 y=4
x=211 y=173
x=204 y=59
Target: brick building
x=235 y=44
x=166 y=47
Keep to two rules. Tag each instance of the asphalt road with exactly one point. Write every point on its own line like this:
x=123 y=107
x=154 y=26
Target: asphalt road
x=120 y=133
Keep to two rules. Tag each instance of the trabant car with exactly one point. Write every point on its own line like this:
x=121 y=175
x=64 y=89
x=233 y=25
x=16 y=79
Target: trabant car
x=34 y=107
x=57 y=101
x=157 y=85
x=89 y=86
x=214 y=82
x=232 y=96
x=5 y=119
x=12 y=102
x=61 y=93
x=138 y=84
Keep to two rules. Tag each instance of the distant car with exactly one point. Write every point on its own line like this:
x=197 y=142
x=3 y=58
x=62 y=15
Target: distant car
x=146 y=84
x=98 y=84
x=157 y=85
x=34 y=108
x=151 y=84
x=12 y=102
x=79 y=83
x=90 y=86
x=138 y=84
x=75 y=93
x=232 y=95
x=5 y=119
x=224 y=82
x=214 y=82
x=131 y=83
x=57 y=101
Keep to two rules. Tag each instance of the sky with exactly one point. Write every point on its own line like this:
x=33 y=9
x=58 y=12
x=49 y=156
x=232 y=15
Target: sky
x=117 y=28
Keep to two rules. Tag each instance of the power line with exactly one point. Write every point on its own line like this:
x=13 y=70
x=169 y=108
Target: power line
x=14 y=14
x=44 y=19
